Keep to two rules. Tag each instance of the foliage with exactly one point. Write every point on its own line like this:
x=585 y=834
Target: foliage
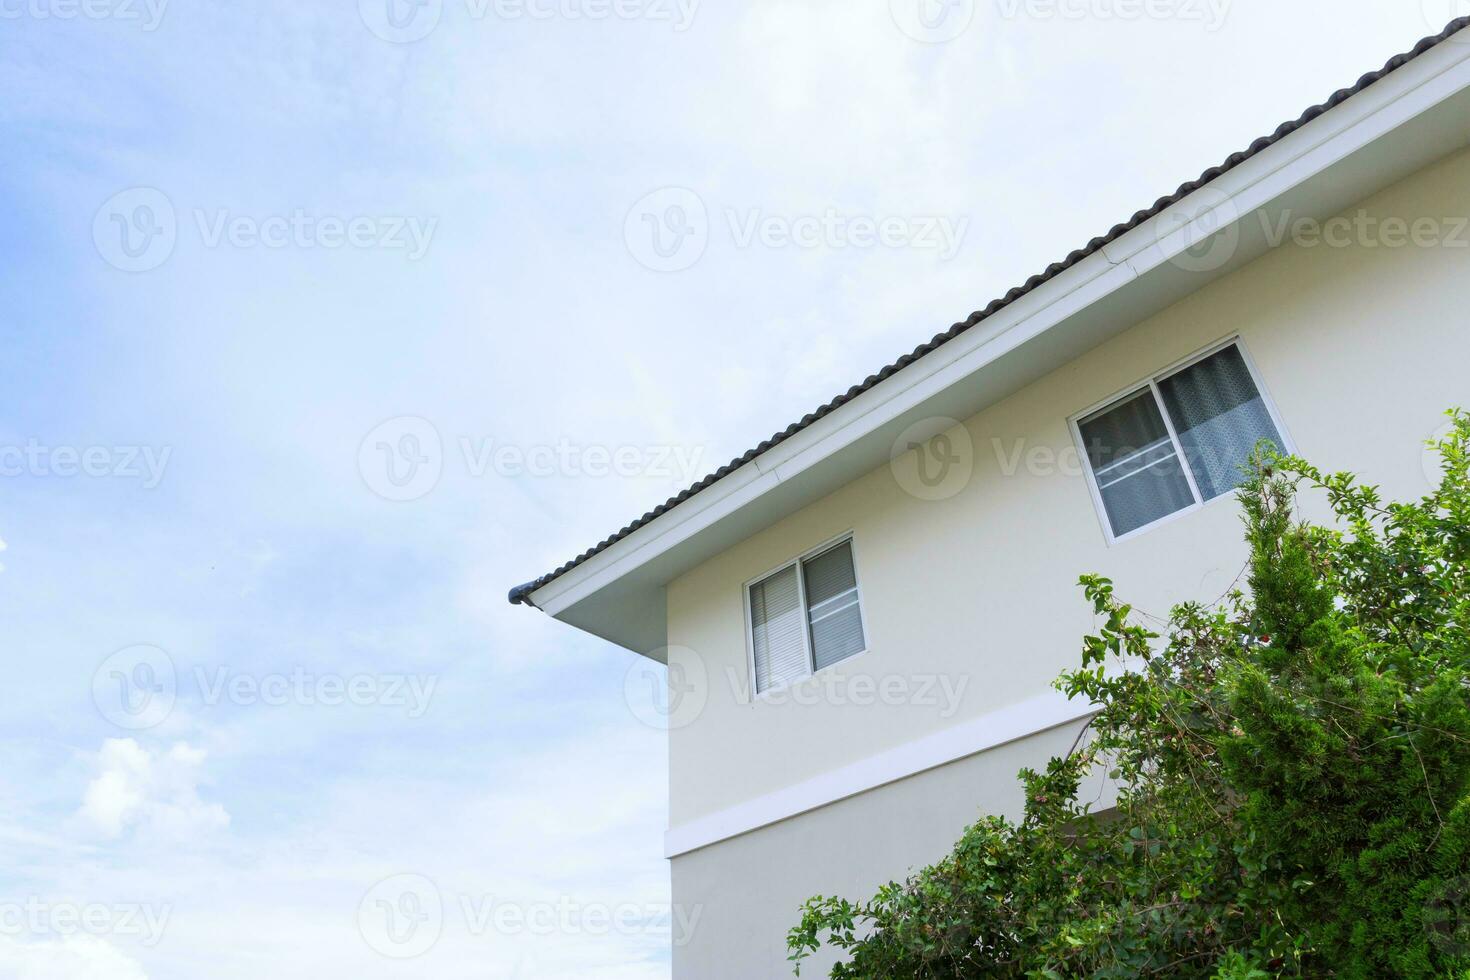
x=1292 y=764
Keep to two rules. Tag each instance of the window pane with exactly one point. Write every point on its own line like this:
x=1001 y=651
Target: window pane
x=1219 y=416
x=777 y=630
x=1138 y=473
x=832 y=597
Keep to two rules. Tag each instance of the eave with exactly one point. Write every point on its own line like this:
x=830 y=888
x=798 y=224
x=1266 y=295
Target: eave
x=1390 y=125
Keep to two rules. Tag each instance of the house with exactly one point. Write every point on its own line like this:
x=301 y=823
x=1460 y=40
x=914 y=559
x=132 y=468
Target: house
x=862 y=616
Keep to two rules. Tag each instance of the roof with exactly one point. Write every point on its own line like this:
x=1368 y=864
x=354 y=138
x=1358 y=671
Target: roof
x=522 y=593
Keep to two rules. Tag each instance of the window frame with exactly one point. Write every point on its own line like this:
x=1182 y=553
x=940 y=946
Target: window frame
x=1151 y=385
x=845 y=537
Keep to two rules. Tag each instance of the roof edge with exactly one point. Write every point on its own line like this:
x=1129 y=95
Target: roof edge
x=521 y=594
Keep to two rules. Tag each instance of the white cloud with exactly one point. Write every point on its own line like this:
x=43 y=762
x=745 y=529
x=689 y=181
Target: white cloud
x=159 y=792
x=79 y=957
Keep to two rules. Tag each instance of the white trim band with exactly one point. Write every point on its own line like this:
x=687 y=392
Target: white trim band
x=1030 y=717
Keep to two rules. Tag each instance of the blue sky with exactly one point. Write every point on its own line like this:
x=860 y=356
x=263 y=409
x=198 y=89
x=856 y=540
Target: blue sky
x=449 y=240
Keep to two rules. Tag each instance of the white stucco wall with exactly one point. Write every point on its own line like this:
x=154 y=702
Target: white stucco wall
x=1361 y=349
x=743 y=895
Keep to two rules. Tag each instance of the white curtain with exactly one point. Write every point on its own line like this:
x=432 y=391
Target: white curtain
x=1220 y=416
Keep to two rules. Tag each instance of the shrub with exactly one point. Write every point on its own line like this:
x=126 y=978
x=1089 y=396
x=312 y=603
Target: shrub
x=1293 y=772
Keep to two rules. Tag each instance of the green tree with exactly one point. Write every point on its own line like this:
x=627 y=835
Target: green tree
x=1293 y=766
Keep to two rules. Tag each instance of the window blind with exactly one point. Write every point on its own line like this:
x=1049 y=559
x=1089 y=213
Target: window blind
x=832 y=600
x=1199 y=423
x=1137 y=468
x=778 y=630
